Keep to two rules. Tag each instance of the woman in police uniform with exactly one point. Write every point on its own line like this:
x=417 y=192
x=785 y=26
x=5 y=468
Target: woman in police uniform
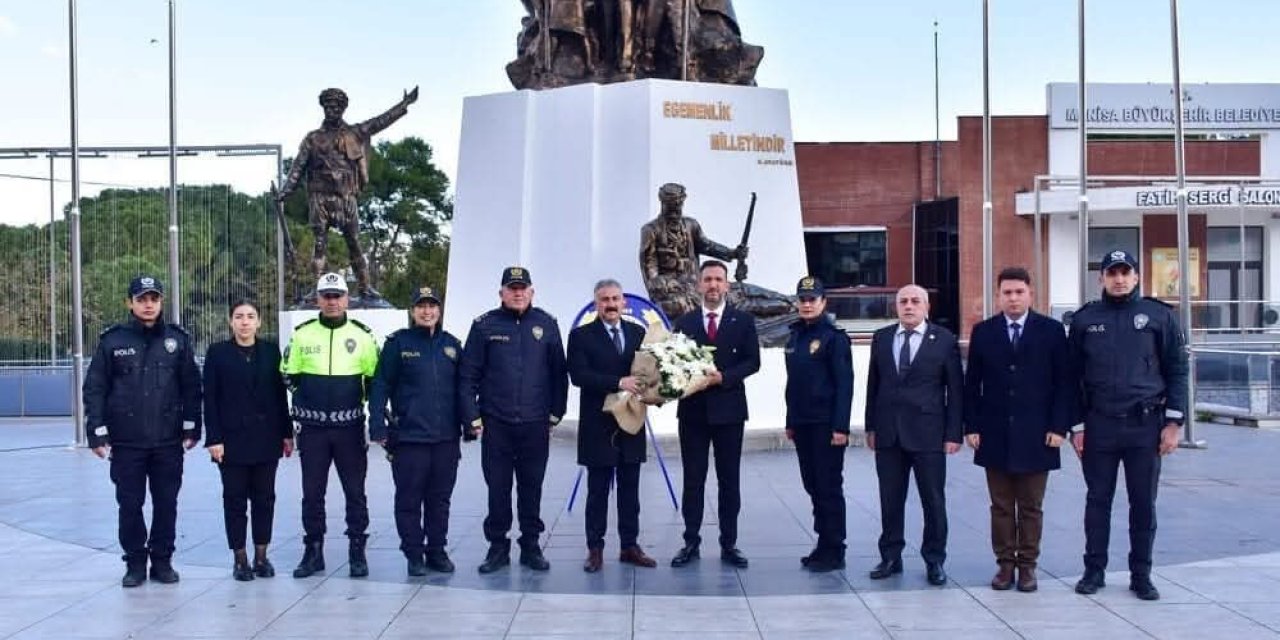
x=819 y=400
x=248 y=429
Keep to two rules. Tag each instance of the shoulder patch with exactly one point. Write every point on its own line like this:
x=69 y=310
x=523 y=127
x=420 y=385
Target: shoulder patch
x=360 y=324
x=311 y=321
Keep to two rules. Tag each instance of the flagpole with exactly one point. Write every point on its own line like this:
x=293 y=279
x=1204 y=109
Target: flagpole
x=77 y=276
x=987 y=247
x=175 y=284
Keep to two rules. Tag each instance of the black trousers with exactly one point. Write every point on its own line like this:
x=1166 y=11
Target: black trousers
x=514 y=452
x=344 y=448
x=894 y=467
x=1140 y=456
x=244 y=485
x=696 y=441
x=424 y=475
x=597 y=511
x=822 y=473
x=133 y=471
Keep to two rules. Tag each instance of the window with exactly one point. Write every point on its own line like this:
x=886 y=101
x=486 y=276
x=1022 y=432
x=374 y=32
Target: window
x=847 y=258
x=1235 y=279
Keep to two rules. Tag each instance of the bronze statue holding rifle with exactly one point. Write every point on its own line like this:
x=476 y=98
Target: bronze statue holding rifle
x=334 y=161
x=669 y=248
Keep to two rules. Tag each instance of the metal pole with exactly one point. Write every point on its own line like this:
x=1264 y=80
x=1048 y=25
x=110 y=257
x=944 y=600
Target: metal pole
x=1239 y=305
x=684 y=49
x=1039 y=253
x=986 y=163
x=77 y=301
x=545 y=25
x=1083 y=116
x=175 y=285
x=937 y=120
x=1184 y=236
x=281 y=267
x=53 y=270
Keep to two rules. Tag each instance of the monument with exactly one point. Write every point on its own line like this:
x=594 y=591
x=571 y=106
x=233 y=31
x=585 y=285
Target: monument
x=334 y=162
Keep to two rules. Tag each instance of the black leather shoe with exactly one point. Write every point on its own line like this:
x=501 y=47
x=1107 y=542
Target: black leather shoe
x=935 y=573
x=821 y=563
x=734 y=558
x=135 y=574
x=264 y=569
x=686 y=555
x=357 y=564
x=497 y=558
x=312 y=561
x=532 y=557
x=242 y=572
x=438 y=561
x=1091 y=582
x=417 y=566
x=162 y=571
x=886 y=568
x=1141 y=586
x=805 y=560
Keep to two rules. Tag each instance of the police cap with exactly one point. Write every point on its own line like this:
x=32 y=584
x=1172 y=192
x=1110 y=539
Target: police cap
x=145 y=284
x=516 y=276
x=810 y=287
x=1119 y=256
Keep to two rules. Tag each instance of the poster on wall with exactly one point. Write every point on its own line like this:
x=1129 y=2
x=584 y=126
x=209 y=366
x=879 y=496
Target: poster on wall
x=1165 y=275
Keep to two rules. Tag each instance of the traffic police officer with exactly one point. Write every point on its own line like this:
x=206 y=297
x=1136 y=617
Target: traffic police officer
x=328 y=364
x=142 y=406
x=514 y=386
x=418 y=372
x=1128 y=352
x=819 y=394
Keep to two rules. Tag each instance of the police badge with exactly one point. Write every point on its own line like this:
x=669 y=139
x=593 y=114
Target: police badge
x=1140 y=321
x=814 y=345
x=350 y=344
x=170 y=345
x=451 y=353
x=537 y=333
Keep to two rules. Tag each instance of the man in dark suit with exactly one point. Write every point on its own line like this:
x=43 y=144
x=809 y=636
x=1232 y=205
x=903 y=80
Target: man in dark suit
x=914 y=384
x=599 y=361
x=716 y=416
x=1017 y=409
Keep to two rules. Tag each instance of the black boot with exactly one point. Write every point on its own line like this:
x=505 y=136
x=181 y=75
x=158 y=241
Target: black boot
x=438 y=560
x=356 y=562
x=262 y=567
x=241 y=570
x=135 y=572
x=417 y=566
x=312 y=561
x=498 y=557
x=162 y=571
x=531 y=556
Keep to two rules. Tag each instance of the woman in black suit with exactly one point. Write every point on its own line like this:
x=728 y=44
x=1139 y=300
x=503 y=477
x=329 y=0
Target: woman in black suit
x=247 y=429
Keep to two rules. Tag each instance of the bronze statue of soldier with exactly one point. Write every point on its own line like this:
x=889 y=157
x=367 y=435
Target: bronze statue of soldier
x=669 y=248
x=334 y=161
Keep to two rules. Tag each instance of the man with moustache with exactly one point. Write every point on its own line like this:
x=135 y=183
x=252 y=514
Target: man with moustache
x=600 y=355
x=142 y=401
x=1017 y=407
x=1129 y=358
x=513 y=388
x=716 y=416
x=913 y=421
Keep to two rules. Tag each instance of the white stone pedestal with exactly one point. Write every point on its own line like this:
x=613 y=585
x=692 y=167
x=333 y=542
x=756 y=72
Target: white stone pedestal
x=382 y=321
x=561 y=181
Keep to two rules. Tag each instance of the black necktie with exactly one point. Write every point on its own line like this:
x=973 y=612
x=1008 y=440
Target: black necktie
x=1017 y=333
x=617 y=339
x=904 y=354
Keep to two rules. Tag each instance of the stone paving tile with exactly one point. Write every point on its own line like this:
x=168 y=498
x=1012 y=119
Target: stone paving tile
x=1192 y=621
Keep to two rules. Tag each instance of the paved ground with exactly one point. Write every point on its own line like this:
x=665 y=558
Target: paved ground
x=1218 y=561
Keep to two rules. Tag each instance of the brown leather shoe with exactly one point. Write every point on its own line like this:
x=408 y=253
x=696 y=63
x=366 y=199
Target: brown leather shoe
x=1003 y=580
x=595 y=560
x=1027 y=582
x=635 y=555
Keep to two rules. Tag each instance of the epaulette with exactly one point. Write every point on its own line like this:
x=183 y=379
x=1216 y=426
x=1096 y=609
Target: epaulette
x=1158 y=300
x=361 y=325
x=306 y=323
x=392 y=336
x=545 y=313
x=110 y=329
x=179 y=329
x=482 y=316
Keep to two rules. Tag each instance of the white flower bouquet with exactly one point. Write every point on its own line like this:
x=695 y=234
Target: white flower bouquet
x=667 y=366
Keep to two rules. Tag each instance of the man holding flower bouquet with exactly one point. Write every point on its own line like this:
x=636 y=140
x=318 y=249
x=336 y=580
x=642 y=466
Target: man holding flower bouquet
x=716 y=416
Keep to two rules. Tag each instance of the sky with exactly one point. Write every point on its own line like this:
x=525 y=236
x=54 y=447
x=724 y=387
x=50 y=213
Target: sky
x=250 y=71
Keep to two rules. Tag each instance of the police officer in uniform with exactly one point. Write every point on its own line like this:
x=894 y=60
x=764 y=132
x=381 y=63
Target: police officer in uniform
x=514 y=387
x=142 y=407
x=1128 y=353
x=328 y=365
x=819 y=394
x=418 y=372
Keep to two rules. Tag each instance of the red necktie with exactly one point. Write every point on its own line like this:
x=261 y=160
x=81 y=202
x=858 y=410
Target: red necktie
x=711 y=326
